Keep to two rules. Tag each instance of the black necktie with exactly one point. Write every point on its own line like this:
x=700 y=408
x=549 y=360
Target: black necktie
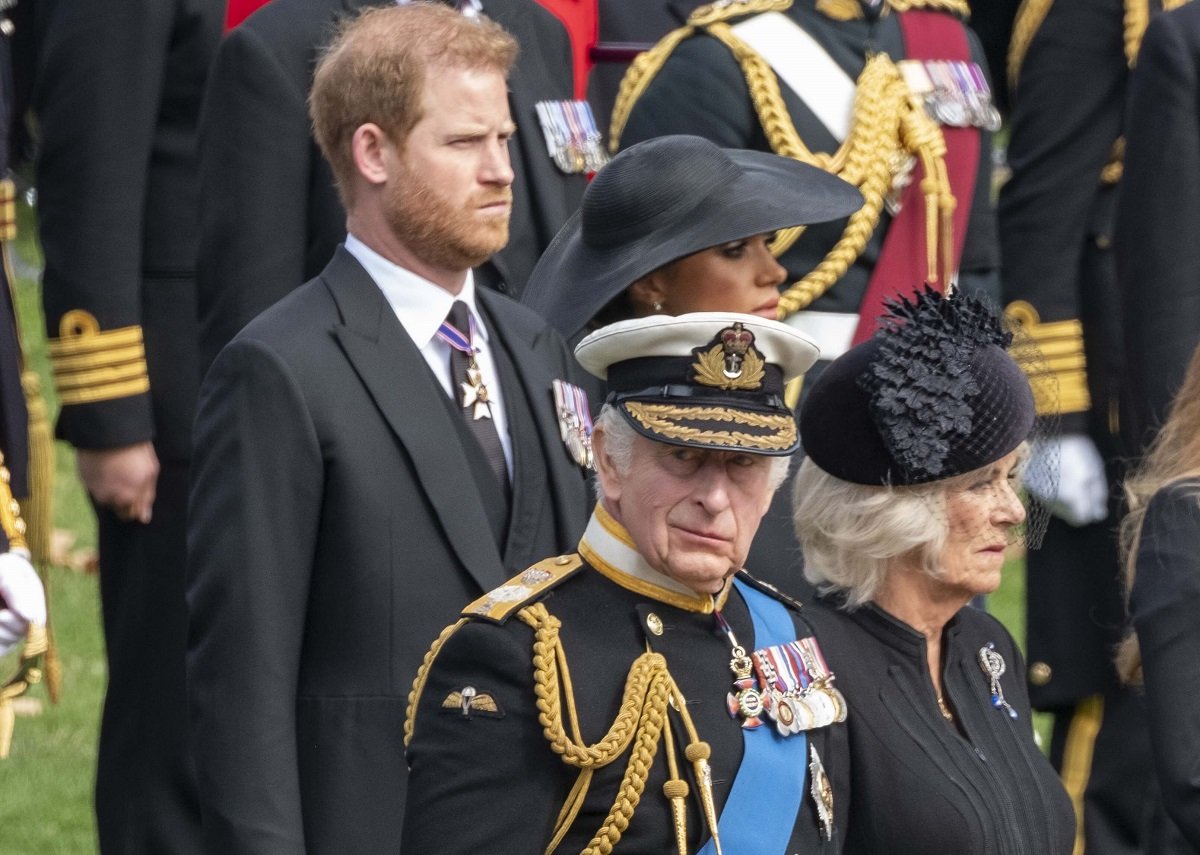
x=472 y=395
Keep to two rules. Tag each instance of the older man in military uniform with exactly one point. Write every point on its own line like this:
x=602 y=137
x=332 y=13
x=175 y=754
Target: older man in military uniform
x=891 y=95
x=645 y=692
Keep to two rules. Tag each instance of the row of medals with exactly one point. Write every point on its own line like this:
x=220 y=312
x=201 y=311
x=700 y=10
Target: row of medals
x=816 y=705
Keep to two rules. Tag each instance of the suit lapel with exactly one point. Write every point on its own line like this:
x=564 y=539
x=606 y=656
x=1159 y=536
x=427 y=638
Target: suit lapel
x=397 y=378
x=535 y=374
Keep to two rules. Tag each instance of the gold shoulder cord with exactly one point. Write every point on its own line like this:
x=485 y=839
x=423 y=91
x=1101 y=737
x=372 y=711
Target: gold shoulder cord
x=641 y=722
x=29 y=671
x=890 y=128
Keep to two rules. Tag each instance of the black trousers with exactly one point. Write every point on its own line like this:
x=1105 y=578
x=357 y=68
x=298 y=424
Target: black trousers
x=146 y=797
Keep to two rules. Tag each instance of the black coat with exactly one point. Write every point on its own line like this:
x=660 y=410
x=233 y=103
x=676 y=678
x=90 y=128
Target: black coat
x=270 y=214
x=1164 y=600
x=919 y=786
x=500 y=771
x=1158 y=215
x=335 y=529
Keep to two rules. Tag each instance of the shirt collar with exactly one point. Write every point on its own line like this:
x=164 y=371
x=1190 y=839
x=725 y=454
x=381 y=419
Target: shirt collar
x=420 y=305
x=607 y=546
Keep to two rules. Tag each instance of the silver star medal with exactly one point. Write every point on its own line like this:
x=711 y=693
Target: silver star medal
x=475 y=393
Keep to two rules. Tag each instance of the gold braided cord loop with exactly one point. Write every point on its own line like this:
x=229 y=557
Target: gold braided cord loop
x=888 y=128
x=636 y=80
x=414 y=694
x=1137 y=18
x=1029 y=20
x=639 y=722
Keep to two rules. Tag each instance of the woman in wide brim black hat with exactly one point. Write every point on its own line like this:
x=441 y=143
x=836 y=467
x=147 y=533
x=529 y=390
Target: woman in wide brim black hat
x=677 y=225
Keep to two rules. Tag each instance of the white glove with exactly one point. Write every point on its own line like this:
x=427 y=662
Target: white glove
x=22 y=599
x=1081 y=495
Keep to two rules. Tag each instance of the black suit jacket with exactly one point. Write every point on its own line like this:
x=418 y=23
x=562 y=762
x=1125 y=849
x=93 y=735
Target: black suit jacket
x=1158 y=218
x=334 y=530
x=270 y=216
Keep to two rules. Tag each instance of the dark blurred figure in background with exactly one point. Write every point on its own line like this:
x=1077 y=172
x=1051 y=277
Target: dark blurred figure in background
x=1158 y=218
x=270 y=217
x=1070 y=66
x=117 y=93
x=1161 y=535
x=915 y=163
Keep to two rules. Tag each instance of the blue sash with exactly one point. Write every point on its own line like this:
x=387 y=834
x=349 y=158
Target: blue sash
x=769 y=787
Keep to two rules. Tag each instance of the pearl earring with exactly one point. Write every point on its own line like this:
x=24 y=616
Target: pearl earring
x=657 y=306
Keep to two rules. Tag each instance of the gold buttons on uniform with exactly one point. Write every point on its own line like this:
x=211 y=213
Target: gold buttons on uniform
x=1040 y=673
x=654 y=623
x=562 y=559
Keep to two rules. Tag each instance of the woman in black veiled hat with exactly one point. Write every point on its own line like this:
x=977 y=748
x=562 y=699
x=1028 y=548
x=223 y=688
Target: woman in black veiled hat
x=677 y=225
x=904 y=508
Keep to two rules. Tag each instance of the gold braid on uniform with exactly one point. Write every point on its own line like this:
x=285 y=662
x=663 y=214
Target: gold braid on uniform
x=642 y=722
x=1028 y=21
x=889 y=129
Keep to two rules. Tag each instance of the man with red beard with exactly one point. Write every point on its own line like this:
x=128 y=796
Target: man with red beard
x=375 y=449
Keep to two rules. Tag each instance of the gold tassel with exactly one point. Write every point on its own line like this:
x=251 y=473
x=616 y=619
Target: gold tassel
x=37 y=508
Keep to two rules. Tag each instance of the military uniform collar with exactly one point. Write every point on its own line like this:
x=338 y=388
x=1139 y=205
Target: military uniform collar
x=607 y=547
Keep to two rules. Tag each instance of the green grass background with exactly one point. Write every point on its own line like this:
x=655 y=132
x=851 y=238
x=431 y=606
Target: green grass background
x=46 y=783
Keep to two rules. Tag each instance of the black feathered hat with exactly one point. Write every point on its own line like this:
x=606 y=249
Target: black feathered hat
x=933 y=394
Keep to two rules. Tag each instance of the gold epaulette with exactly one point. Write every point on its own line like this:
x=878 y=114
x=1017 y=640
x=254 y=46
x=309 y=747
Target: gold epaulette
x=92 y=365
x=1056 y=367
x=500 y=604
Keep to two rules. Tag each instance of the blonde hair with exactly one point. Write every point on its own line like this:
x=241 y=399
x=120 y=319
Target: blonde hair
x=375 y=69
x=1174 y=455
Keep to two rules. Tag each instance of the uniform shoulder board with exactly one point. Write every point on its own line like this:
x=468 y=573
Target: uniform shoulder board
x=770 y=590
x=727 y=10
x=530 y=584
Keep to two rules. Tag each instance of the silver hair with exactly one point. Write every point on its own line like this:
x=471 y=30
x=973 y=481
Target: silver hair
x=619 y=437
x=850 y=533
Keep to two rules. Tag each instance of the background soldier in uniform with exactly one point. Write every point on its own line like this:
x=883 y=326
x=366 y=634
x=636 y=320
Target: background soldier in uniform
x=1069 y=66
x=117 y=92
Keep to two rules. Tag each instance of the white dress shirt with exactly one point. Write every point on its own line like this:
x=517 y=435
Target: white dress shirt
x=421 y=306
